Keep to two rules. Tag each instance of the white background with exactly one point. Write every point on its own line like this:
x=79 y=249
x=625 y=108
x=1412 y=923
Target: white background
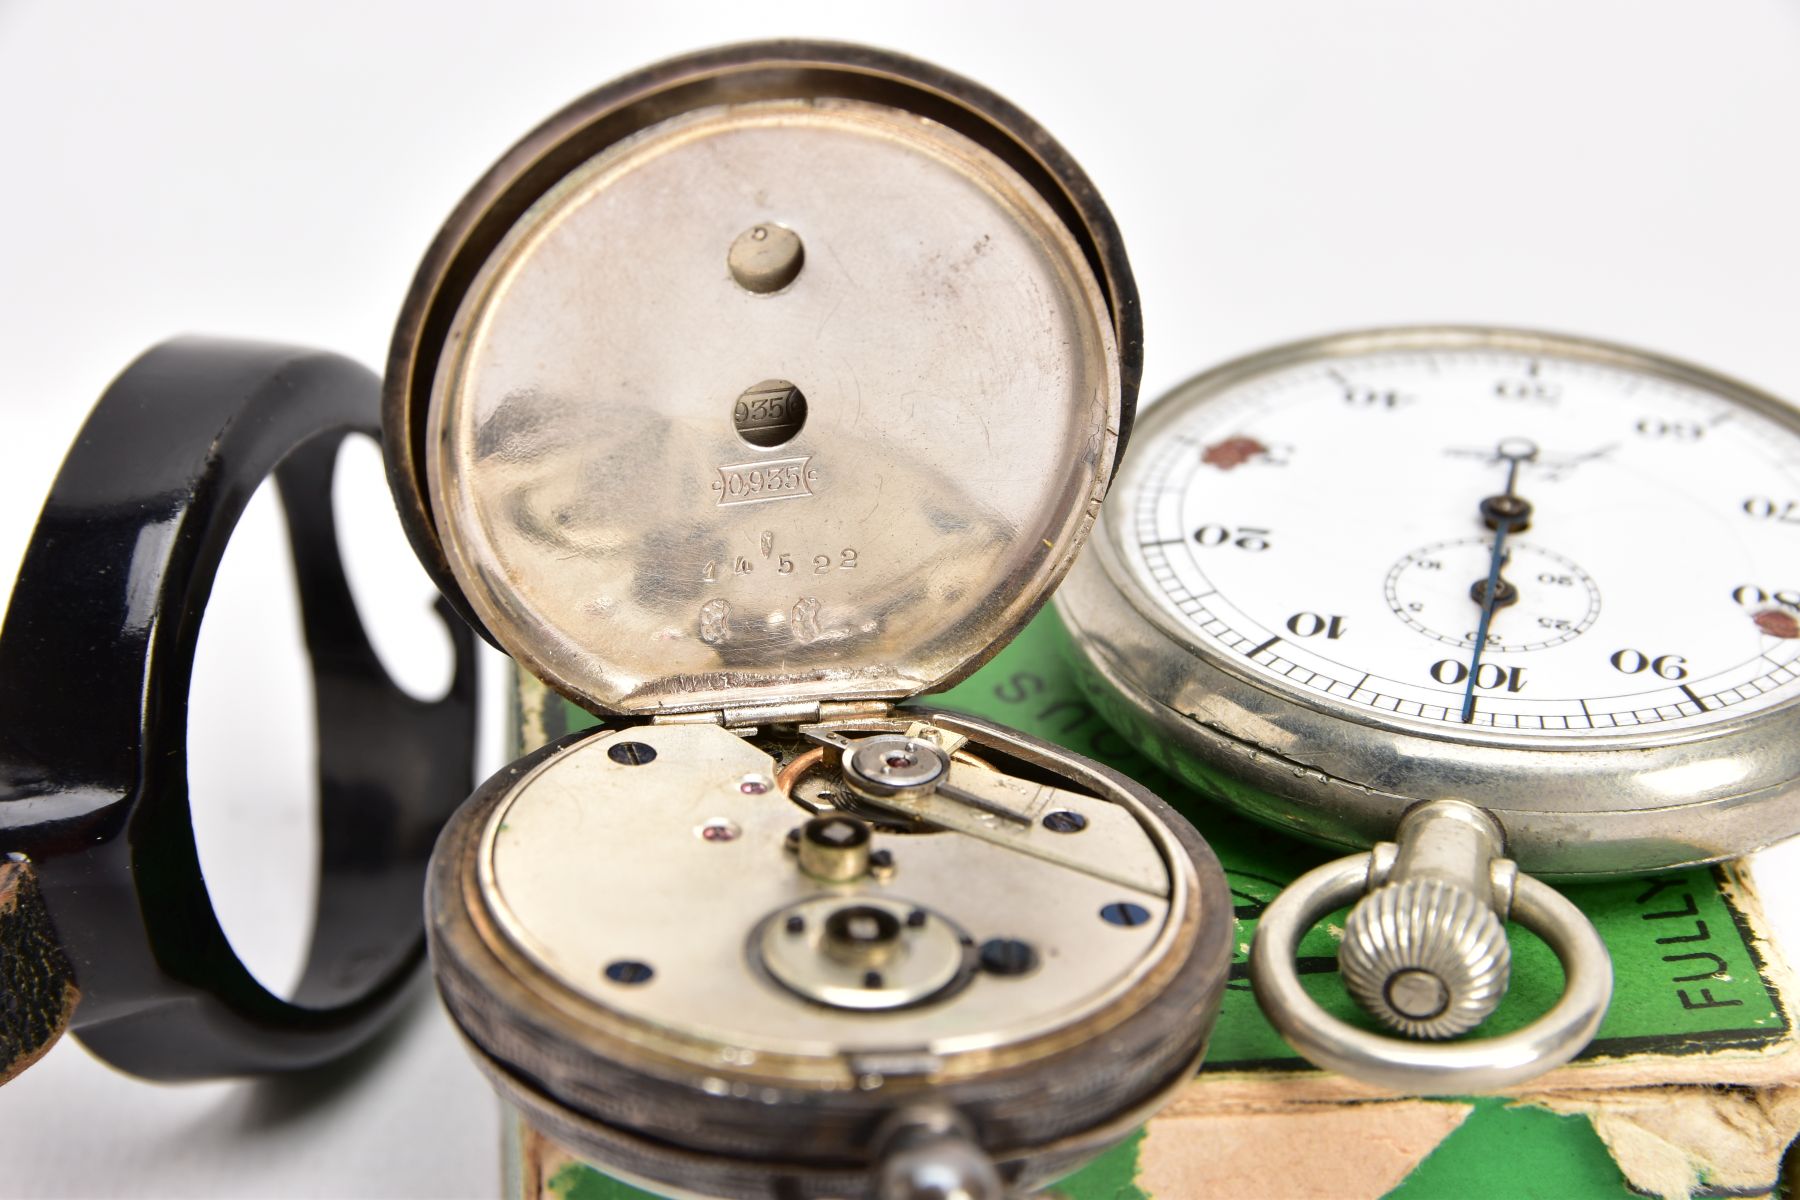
x=1629 y=170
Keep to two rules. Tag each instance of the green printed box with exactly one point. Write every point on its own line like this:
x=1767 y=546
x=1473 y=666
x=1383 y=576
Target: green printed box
x=1689 y=975
x=1691 y=1087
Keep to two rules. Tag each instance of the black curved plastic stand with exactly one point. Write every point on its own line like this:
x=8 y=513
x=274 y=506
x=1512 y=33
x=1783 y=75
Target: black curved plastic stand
x=96 y=657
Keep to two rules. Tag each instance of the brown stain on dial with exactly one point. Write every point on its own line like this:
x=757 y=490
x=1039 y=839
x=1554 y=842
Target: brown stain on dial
x=1778 y=622
x=1232 y=452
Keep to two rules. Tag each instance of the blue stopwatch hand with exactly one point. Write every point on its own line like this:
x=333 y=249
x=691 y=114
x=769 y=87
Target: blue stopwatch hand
x=1505 y=514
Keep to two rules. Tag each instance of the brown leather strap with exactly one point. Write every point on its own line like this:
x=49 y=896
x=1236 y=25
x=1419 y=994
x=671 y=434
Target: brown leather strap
x=37 y=986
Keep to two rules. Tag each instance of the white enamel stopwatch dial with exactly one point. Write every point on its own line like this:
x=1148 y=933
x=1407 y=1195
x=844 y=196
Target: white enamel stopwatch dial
x=1322 y=523
x=1303 y=556
x=1538 y=595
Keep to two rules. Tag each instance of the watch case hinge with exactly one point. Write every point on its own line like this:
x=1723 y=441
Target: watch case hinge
x=745 y=717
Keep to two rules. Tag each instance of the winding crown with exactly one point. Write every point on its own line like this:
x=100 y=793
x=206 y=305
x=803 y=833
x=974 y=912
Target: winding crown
x=1425 y=957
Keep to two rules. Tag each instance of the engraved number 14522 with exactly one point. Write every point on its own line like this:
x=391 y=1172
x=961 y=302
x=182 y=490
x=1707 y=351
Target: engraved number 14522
x=782 y=563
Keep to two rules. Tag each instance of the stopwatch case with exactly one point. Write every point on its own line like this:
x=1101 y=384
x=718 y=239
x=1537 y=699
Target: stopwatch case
x=560 y=394
x=1320 y=770
x=559 y=417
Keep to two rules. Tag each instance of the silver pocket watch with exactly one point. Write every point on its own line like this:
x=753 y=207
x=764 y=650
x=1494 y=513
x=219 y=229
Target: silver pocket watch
x=745 y=399
x=1473 y=602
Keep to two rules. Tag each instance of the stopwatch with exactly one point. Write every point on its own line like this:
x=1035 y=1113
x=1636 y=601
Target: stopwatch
x=743 y=401
x=1485 y=600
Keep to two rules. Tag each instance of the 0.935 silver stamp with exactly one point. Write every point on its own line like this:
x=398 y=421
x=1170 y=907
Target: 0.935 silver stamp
x=752 y=483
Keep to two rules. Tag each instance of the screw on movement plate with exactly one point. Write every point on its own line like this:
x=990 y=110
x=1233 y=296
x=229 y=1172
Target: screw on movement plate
x=1007 y=957
x=629 y=971
x=1123 y=912
x=1064 y=821
x=631 y=754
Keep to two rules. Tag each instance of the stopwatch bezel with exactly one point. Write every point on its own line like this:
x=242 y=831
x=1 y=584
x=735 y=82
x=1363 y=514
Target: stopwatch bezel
x=1352 y=771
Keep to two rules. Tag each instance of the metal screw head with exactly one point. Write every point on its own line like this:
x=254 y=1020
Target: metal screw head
x=1064 y=821
x=1123 y=912
x=1007 y=957
x=631 y=754
x=629 y=971
x=766 y=258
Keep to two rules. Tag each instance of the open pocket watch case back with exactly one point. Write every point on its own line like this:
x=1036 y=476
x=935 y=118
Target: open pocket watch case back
x=743 y=400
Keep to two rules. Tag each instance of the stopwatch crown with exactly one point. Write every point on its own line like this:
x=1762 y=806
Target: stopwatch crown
x=1425 y=957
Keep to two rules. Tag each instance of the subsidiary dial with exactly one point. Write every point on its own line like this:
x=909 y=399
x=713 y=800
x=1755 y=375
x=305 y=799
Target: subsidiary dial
x=1542 y=599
